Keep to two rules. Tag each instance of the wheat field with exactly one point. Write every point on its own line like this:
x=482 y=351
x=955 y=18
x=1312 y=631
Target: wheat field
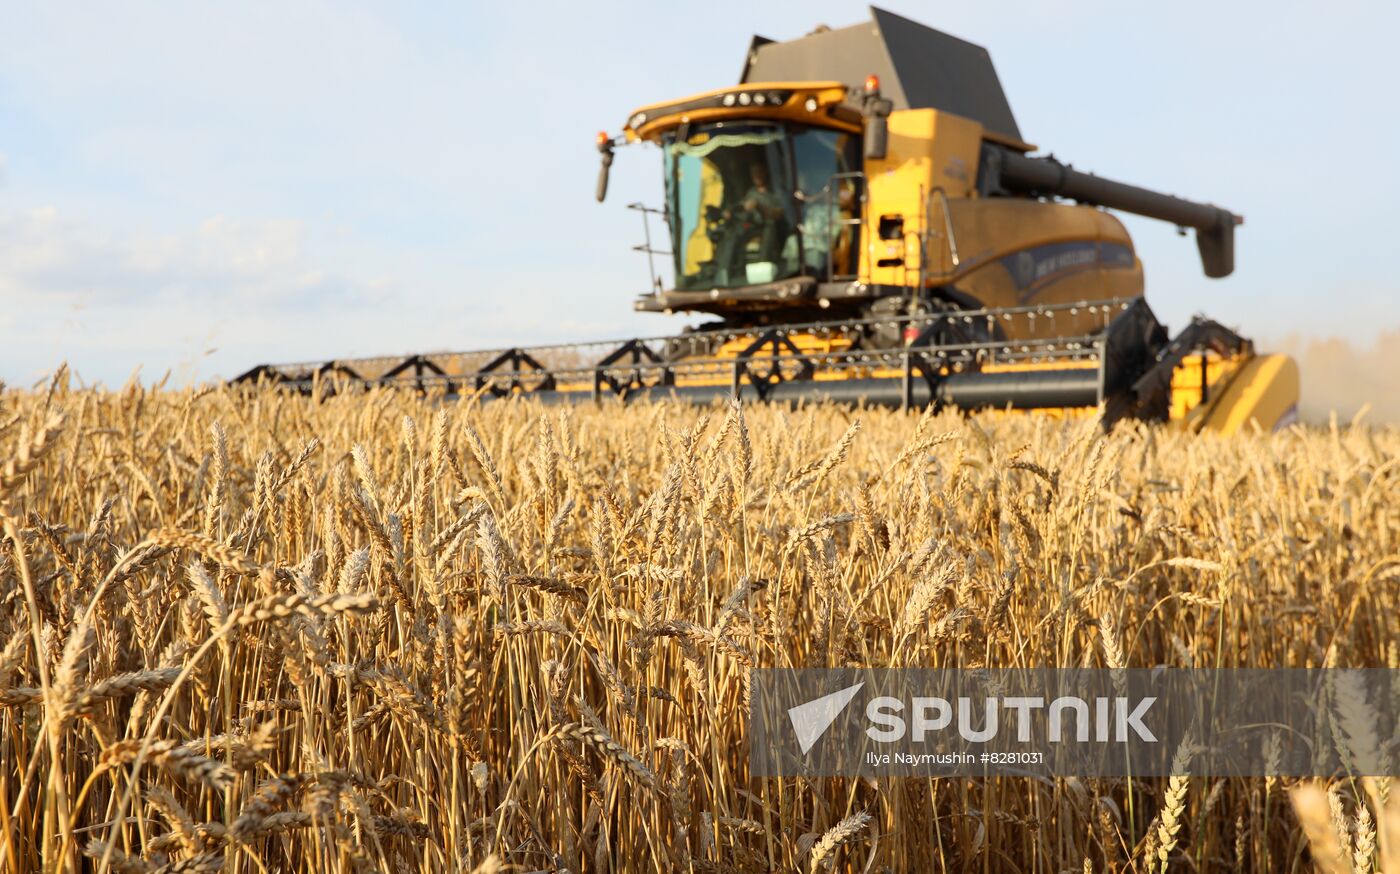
x=381 y=632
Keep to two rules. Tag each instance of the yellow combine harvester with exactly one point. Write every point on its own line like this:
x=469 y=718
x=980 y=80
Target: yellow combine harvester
x=864 y=218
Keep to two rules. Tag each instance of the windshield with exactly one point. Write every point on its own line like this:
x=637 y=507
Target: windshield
x=737 y=215
x=828 y=191
x=731 y=206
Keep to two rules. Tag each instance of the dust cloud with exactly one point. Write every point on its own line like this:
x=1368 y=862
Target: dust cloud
x=1339 y=376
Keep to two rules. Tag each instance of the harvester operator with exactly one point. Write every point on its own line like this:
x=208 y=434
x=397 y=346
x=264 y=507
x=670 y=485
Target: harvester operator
x=760 y=214
x=824 y=222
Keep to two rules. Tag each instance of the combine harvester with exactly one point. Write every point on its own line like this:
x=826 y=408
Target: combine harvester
x=865 y=221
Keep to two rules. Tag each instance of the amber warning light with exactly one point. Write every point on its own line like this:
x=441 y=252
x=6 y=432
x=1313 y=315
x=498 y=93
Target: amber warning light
x=872 y=84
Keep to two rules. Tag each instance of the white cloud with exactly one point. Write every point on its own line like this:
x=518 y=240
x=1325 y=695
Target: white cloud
x=113 y=298
x=106 y=299
x=50 y=256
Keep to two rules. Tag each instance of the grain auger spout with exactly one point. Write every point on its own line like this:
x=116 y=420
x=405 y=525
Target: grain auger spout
x=862 y=221
x=1007 y=171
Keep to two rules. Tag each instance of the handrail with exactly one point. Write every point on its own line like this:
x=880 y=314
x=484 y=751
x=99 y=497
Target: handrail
x=825 y=194
x=948 y=232
x=646 y=246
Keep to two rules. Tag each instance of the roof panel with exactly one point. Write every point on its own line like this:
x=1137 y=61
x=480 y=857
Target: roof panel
x=919 y=67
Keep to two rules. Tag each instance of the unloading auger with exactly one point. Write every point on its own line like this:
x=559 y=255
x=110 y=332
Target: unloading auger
x=863 y=220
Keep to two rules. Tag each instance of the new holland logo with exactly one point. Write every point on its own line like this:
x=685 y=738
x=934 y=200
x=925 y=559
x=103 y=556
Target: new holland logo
x=811 y=720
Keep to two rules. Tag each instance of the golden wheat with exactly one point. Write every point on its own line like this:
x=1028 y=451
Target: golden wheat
x=254 y=631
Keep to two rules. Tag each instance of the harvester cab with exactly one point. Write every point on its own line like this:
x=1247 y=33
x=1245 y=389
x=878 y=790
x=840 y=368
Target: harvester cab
x=863 y=222
x=887 y=164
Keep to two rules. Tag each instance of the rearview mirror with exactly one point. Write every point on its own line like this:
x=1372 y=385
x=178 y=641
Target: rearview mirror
x=877 y=135
x=605 y=148
x=603 y=176
x=876 y=110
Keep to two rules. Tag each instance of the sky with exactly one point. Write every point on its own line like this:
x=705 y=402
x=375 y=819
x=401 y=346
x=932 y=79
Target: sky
x=195 y=188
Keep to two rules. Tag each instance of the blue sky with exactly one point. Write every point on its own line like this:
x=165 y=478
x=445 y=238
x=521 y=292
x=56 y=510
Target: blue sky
x=199 y=187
